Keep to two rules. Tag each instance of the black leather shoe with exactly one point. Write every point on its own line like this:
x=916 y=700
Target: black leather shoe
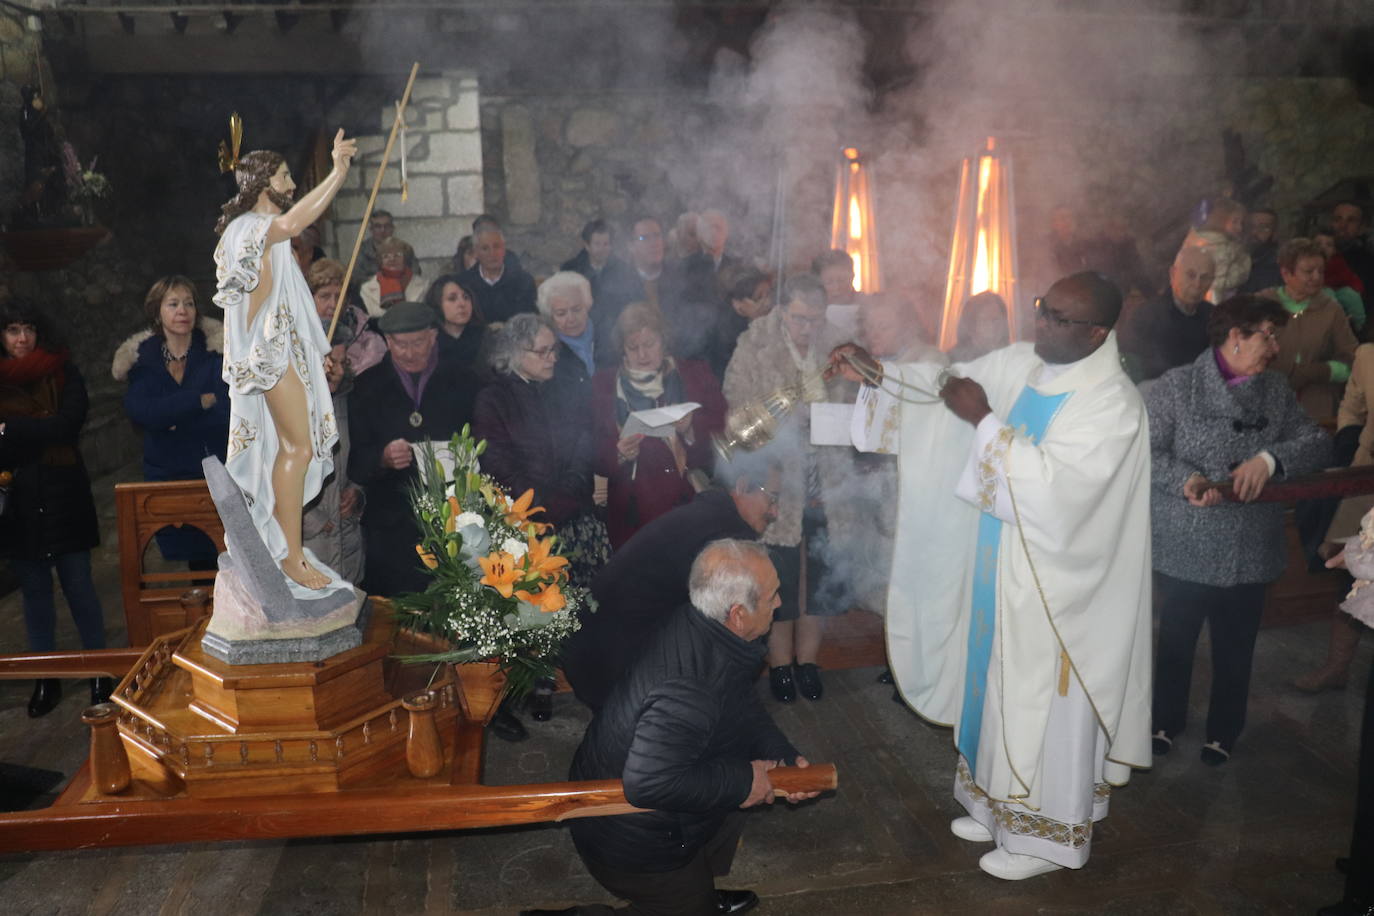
x=780 y=679
x=885 y=677
x=541 y=706
x=736 y=901
x=1348 y=907
x=809 y=681
x=101 y=688
x=506 y=726
x=46 y=694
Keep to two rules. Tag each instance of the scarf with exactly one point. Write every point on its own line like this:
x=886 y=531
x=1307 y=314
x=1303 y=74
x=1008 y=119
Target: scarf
x=391 y=284
x=415 y=387
x=28 y=369
x=583 y=346
x=1231 y=377
x=643 y=390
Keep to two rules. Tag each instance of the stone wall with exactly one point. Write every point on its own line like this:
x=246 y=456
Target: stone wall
x=444 y=167
x=553 y=162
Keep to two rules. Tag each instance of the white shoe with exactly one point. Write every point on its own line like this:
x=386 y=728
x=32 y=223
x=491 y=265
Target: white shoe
x=966 y=828
x=1010 y=866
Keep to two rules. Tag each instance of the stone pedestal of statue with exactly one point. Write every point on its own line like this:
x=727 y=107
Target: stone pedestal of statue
x=260 y=616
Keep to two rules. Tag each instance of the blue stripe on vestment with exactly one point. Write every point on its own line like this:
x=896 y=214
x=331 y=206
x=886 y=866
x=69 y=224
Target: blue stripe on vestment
x=1030 y=417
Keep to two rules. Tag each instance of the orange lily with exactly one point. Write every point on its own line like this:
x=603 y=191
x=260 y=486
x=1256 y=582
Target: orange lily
x=500 y=572
x=548 y=599
x=426 y=557
x=451 y=524
x=520 y=511
x=539 y=563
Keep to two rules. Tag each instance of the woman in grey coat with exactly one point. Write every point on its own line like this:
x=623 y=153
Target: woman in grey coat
x=1222 y=416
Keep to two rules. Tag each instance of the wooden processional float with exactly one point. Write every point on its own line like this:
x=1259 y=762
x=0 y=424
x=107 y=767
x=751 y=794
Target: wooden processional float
x=195 y=750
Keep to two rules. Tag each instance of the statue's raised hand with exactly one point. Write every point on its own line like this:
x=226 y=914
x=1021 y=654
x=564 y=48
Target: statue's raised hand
x=344 y=151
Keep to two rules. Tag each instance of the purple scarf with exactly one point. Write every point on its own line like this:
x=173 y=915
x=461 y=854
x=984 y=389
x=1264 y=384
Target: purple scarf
x=414 y=388
x=1232 y=379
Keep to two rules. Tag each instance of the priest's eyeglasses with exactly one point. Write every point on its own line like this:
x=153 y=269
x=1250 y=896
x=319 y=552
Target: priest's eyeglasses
x=1042 y=310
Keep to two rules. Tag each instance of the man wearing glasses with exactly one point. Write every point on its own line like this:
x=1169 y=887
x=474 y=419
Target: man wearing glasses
x=1024 y=543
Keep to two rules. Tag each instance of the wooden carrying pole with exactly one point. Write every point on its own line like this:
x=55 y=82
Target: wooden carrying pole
x=372 y=200
x=1333 y=484
x=118 y=821
x=113 y=663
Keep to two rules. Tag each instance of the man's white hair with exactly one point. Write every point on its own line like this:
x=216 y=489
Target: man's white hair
x=563 y=283
x=721 y=577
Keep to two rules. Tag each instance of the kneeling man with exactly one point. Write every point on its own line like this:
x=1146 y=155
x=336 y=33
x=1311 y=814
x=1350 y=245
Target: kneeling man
x=685 y=731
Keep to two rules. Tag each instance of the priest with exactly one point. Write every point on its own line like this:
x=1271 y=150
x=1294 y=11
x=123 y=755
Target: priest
x=1019 y=608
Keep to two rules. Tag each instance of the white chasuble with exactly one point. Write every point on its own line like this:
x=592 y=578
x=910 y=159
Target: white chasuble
x=285 y=335
x=1071 y=624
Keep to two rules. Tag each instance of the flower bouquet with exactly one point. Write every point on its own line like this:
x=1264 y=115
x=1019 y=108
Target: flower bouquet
x=499 y=591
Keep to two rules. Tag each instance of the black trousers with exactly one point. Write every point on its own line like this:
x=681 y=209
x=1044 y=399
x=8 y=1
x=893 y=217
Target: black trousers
x=1233 y=617
x=1359 y=882
x=686 y=891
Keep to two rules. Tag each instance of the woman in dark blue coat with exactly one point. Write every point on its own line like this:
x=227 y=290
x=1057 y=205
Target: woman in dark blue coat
x=177 y=396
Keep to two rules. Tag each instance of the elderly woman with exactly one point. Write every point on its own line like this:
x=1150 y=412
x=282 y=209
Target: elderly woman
x=788 y=347
x=1317 y=347
x=394 y=281
x=48 y=521
x=330 y=524
x=648 y=475
x=362 y=347
x=177 y=397
x=1222 y=416
x=535 y=442
x=462 y=327
x=566 y=300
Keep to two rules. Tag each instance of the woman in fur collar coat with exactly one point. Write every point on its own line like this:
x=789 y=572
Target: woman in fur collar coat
x=789 y=346
x=178 y=398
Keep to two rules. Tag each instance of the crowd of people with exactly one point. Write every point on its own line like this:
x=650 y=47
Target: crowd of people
x=1245 y=360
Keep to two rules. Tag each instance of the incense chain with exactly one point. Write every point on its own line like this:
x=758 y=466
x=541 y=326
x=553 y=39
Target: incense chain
x=872 y=378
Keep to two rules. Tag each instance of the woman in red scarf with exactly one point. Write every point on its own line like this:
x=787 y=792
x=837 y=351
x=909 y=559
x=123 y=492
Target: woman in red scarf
x=48 y=520
x=394 y=281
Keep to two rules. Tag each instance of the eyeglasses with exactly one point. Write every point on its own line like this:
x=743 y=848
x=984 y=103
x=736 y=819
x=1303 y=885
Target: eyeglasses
x=543 y=352
x=1042 y=310
x=771 y=495
x=1269 y=336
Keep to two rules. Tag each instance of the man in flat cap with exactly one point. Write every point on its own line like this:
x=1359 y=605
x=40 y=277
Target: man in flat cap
x=410 y=396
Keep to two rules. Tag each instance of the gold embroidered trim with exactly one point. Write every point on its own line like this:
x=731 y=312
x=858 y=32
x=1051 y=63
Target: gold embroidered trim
x=990 y=466
x=1102 y=791
x=1021 y=822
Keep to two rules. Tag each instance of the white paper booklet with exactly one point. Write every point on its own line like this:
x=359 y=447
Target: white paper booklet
x=657 y=421
x=442 y=452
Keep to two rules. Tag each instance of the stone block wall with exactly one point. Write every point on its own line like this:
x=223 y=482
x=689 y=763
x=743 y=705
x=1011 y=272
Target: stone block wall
x=444 y=166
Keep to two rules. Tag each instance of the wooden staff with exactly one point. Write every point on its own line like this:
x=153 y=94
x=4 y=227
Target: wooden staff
x=137 y=819
x=372 y=200
x=1341 y=482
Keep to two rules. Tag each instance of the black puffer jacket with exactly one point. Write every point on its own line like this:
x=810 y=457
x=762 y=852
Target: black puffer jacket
x=50 y=509
x=680 y=729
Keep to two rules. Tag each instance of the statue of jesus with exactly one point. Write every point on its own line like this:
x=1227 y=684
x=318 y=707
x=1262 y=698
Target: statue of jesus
x=282 y=427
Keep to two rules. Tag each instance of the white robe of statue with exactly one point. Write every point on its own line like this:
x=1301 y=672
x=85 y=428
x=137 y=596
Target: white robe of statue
x=1053 y=737
x=285 y=335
